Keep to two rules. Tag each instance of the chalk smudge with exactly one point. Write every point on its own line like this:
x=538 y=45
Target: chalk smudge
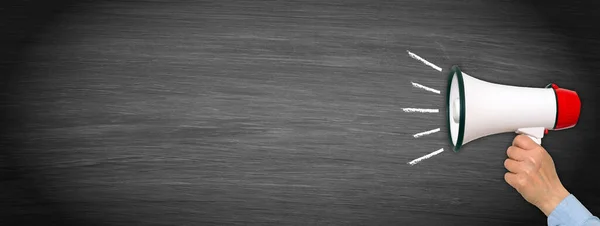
x=443 y=49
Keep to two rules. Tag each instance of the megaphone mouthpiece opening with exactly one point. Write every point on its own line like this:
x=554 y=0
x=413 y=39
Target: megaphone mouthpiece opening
x=456 y=110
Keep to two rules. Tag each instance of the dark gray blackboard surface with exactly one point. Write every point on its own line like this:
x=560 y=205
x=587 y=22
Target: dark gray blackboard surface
x=276 y=112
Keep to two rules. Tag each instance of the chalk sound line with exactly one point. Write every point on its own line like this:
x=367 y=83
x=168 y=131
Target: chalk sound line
x=416 y=57
x=426 y=133
x=417 y=85
x=413 y=162
x=421 y=110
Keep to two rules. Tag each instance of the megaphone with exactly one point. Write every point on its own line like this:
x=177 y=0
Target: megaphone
x=476 y=108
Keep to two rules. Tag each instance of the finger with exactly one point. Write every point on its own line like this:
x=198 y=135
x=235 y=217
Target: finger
x=524 y=142
x=516 y=153
x=511 y=179
x=513 y=166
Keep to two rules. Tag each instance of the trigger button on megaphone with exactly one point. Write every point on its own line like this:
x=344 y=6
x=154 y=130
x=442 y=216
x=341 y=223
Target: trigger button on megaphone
x=545 y=131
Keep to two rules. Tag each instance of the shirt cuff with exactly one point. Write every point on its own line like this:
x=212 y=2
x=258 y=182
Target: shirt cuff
x=569 y=212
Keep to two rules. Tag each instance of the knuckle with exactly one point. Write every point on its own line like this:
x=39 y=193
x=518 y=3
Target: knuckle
x=534 y=160
x=527 y=170
x=522 y=182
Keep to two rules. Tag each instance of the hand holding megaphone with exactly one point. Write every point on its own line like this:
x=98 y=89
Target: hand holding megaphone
x=478 y=108
x=533 y=175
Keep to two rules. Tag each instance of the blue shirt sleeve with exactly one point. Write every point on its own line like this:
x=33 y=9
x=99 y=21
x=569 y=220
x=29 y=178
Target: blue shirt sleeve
x=570 y=212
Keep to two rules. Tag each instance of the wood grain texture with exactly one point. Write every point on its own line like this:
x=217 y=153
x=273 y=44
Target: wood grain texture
x=277 y=112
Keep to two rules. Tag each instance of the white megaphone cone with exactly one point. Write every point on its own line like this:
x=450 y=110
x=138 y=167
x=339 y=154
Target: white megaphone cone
x=478 y=108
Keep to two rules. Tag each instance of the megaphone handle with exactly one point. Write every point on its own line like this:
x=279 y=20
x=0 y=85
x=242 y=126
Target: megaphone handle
x=535 y=139
x=536 y=134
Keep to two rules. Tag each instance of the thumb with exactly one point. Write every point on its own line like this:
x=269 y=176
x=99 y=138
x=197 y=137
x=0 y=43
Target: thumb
x=524 y=142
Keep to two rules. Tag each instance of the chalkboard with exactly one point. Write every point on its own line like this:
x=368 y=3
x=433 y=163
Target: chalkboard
x=278 y=112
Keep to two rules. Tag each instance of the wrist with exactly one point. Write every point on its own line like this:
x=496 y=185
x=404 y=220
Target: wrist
x=551 y=202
